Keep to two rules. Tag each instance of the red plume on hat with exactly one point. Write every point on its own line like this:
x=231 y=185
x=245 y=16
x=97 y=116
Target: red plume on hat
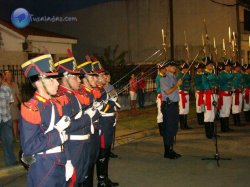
x=70 y=54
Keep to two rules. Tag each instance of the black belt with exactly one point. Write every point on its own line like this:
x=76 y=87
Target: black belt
x=176 y=102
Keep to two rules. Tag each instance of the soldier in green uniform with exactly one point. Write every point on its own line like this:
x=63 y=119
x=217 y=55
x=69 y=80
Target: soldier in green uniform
x=225 y=95
x=246 y=108
x=184 y=95
x=209 y=84
x=237 y=93
x=199 y=91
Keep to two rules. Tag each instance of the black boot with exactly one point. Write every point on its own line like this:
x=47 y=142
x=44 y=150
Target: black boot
x=168 y=153
x=235 y=120
x=160 y=126
x=223 y=125
x=113 y=155
x=200 y=118
x=247 y=115
x=238 y=119
x=89 y=181
x=176 y=154
x=101 y=169
x=228 y=129
x=107 y=169
x=181 y=119
x=185 y=122
x=209 y=131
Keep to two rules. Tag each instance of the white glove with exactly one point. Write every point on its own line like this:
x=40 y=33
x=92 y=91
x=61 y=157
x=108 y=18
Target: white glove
x=98 y=105
x=69 y=170
x=78 y=115
x=90 y=112
x=62 y=124
x=114 y=99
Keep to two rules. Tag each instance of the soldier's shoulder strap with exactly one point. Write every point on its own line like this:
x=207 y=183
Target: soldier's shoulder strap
x=30 y=112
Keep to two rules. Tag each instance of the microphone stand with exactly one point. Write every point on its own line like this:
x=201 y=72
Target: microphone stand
x=216 y=156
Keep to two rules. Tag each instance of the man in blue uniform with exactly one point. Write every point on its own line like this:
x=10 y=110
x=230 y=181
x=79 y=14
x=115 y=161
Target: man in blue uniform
x=210 y=85
x=184 y=95
x=225 y=80
x=88 y=87
x=170 y=110
x=237 y=96
x=199 y=69
x=106 y=121
x=161 y=73
x=42 y=131
x=79 y=132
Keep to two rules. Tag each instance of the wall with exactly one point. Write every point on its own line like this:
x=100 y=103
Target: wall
x=12 y=57
x=136 y=26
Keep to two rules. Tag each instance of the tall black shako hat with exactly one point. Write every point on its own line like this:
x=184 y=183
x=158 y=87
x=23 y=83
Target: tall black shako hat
x=97 y=66
x=67 y=66
x=162 y=65
x=41 y=66
x=236 y=64
x=246 y=66
x=207 y=60
x=199 y=65
x=227 y=62
x=87 y=67
x=184 y=65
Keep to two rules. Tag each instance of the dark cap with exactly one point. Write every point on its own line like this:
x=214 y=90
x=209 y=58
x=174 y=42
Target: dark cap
x=171 y=63
x=39 y=66
x=162 y=65
x=67 y=66
x=97 y=66
x=227 y=62
x=86 y=68
x=246 y=66
x=184 y=65
x=199 y=65
x=236 y=64
x=207 y=60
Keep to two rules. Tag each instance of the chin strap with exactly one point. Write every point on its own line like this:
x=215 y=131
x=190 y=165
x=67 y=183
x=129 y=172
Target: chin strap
x=42 y=78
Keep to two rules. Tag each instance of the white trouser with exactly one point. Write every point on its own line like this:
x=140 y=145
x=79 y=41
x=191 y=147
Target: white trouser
x=246 y=105
x=182 y=110
x=226 y=107
x=201 y=108
x=236 y=108
x=159 y=114
x=209 y=115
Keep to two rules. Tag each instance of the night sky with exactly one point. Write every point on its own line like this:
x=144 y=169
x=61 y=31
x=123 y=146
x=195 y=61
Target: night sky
x=45 y=7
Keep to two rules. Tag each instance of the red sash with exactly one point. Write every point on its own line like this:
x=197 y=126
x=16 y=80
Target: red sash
x=247 y=90
x=208 y=95
x=200 y=97
x=220 y=100
x=237 y=96
x=159 y=96
x=183 y=97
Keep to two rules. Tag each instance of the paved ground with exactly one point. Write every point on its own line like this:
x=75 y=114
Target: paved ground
x=141 y=163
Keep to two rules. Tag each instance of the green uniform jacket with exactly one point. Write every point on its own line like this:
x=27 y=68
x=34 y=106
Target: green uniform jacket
x=198 y=82
x=238 y=80
x=246 y=80
x=226 y=81
x=209 y=80
x=186 y=84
